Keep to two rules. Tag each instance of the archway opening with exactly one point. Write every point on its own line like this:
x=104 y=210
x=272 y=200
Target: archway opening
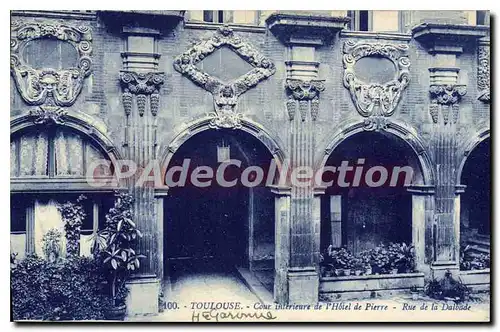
x=363 y=210
x=219 y=227
x=475 y=202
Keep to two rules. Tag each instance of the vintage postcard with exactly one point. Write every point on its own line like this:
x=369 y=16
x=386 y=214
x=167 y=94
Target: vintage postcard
x=250 y=166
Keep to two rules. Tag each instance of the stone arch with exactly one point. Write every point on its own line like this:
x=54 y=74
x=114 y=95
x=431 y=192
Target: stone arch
x=471 y=144
x=268 y=139
x=77 y=123
x=402 y=131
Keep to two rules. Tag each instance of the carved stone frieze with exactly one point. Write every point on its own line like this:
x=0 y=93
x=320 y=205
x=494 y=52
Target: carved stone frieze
x=225 y=93
x=445 y=100
x=39 y=86
x=483 y=73
x=143 y=86
x=370 y=98
x=306 y=94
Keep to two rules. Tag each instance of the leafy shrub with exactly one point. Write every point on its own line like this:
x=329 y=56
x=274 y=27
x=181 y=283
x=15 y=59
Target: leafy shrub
x=447 y=288
x=114 y=245
x=73 y=215
x=71 y=289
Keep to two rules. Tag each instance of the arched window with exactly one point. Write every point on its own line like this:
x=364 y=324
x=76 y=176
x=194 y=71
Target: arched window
x=55 y=153
x=49 y=166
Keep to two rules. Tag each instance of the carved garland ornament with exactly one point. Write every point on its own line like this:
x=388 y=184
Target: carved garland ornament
x=446 y=98
x=306 y=94
x=483 y=73
x=376 y=101
x=49 y=88
x=225 y=93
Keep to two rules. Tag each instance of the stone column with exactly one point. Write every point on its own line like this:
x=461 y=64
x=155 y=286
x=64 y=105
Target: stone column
x=282 y=243
x=445 y=43
x=422 y=222
x=302 y=107
x=141 y=83
x=303 y=34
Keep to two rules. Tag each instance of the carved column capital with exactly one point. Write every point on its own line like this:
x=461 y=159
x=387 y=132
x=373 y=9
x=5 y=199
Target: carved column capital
x=304 y=90
x=447 y=94
x=445 y=98
x=142 y=85
x=306 y=94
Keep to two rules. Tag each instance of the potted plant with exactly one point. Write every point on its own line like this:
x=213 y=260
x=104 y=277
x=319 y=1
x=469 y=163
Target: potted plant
x=380 y=259
x=114 y=247
x=51 y=244
x=358 y=266
x=365 y=258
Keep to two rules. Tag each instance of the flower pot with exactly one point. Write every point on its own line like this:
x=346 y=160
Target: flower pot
x=339 y=272
x=368 y=271
x=347 y=272
x=414 y=296
x=357 y=272
x=116 y=312
x=394 y=271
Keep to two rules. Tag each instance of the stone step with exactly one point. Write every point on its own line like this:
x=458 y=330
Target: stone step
x=474 y=250
x=480 y=243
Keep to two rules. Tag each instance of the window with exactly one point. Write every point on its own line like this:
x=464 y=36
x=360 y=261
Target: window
x=55 y=153
x=377 y=20
x=33 y=215
x=226 y=16
x=218 y=16
x=482 y=17
x=48 y=167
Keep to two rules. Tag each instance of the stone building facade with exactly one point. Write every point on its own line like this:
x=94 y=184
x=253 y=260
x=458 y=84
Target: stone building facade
x=302 y=89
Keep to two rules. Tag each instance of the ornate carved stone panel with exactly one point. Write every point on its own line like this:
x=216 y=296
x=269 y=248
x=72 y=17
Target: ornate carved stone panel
x=375 y=100
x=225 y=93
x=49 y=86
x=446 y=98
x=483 y=72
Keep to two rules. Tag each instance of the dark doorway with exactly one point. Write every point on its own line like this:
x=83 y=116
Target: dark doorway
x=362 y=217
x=225 y=225
x=476 y=200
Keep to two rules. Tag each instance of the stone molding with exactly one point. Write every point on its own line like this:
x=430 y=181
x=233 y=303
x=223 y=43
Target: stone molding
x=48 y=86
x=375 y=101
x=447 y=38
x=311 y=29
x=225 y=94
x=306 y=95
x=483 y=71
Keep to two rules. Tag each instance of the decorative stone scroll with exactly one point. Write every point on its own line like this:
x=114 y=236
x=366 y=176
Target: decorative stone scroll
x=225 y=93
x=483 y=72
x=376 y=101
x=446 y=98
x=306 y=94
x=39 y=86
